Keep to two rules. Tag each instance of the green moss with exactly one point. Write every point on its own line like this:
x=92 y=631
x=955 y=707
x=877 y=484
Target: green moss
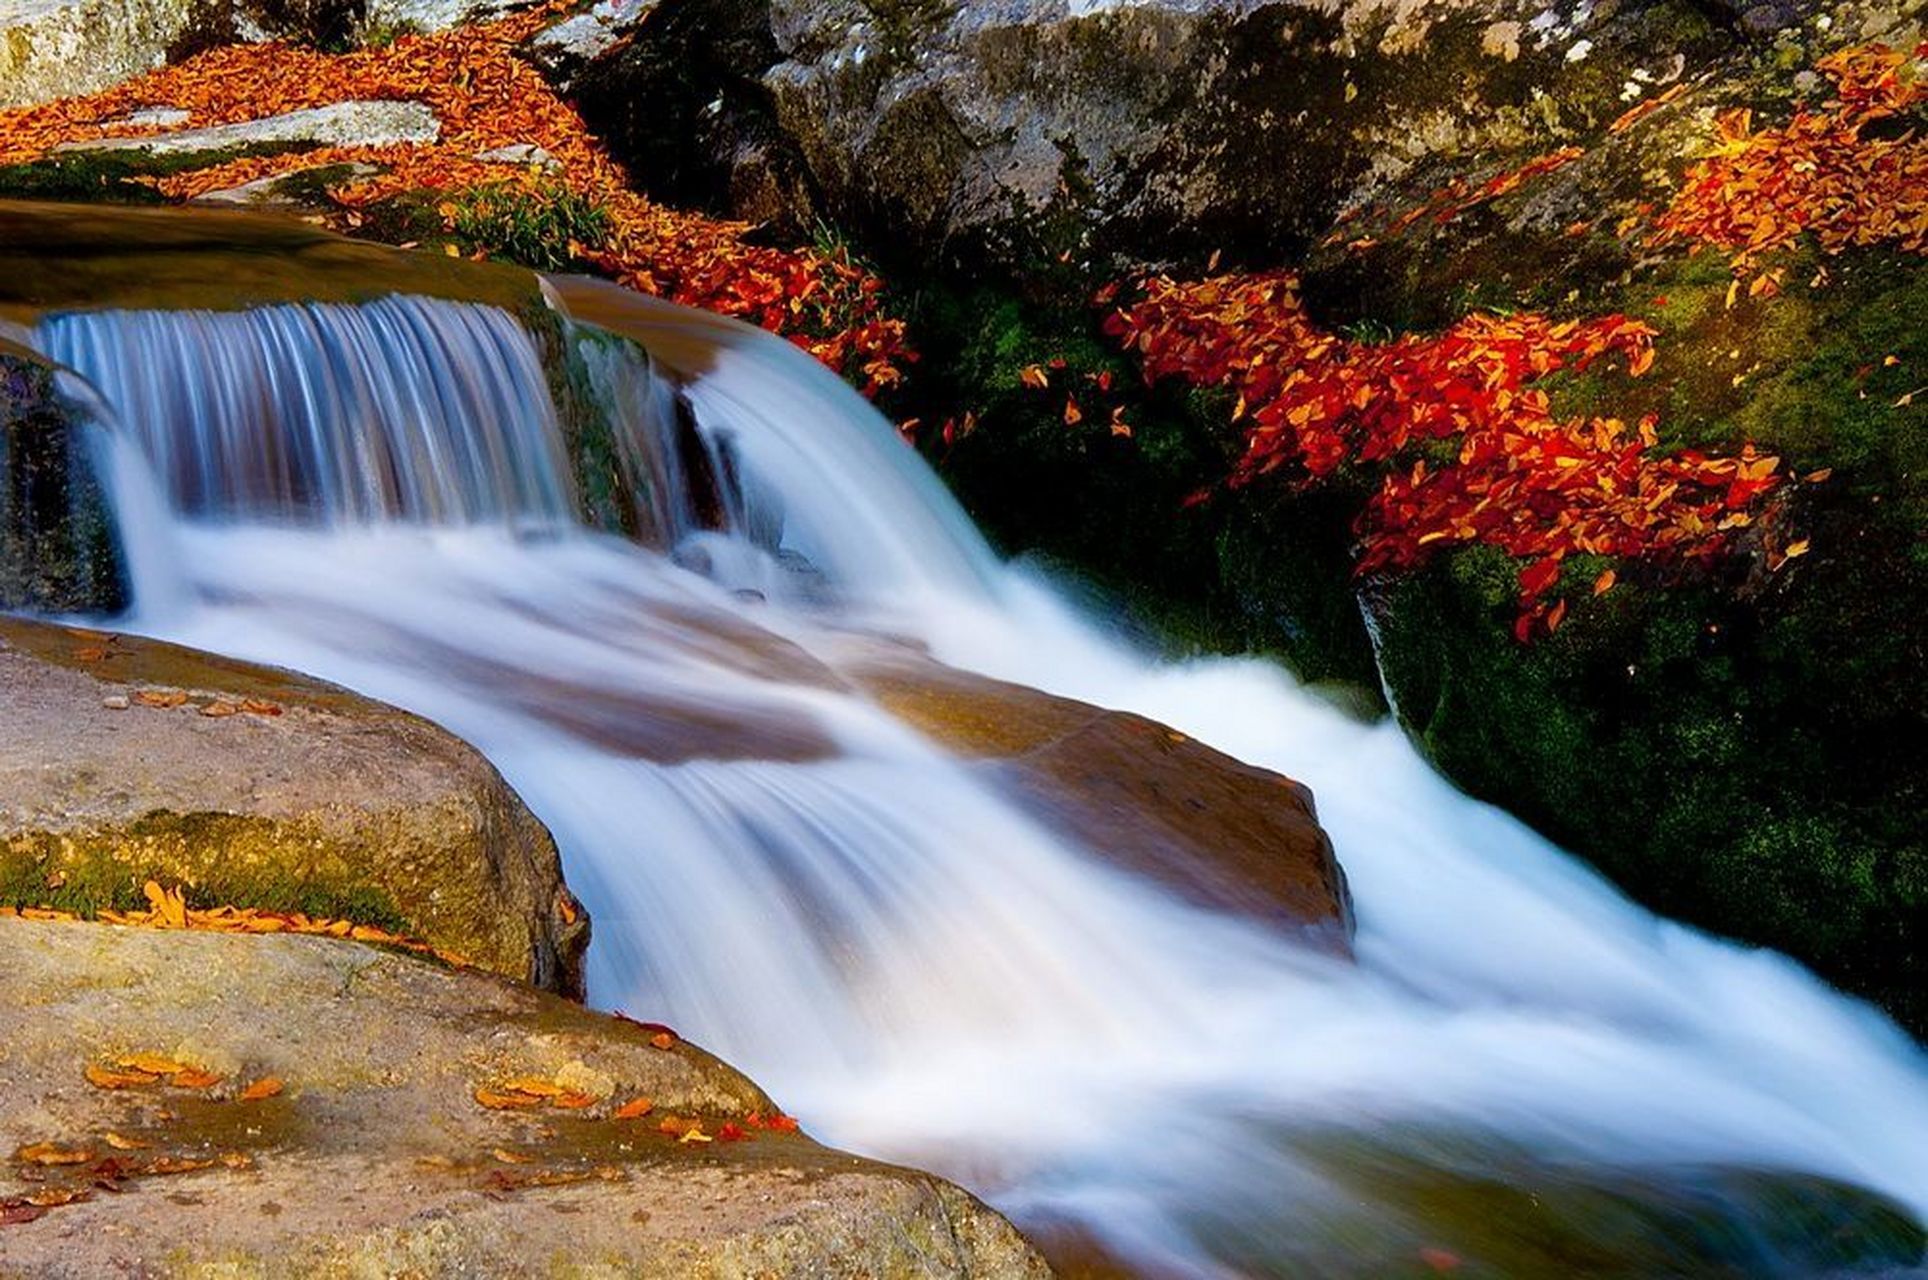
x=218 y=859
x=545 y=228
x=117 y=175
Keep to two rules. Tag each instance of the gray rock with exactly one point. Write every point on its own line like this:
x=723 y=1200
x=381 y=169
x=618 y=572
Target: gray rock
x=520 y=153
x=158 y=118
x=59 y=48
x=54 y=48
x=319 y=800
x=274 y=191
x=564 y=49
x=1030 y=128
x=430 y=15
x=376 y=123
x=375 y=1159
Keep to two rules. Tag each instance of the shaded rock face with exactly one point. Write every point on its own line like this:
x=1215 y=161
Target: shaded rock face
x=375 y=1159
x=1039 y=127
x=1144 y=797
x=337 y=806
x=57 y=548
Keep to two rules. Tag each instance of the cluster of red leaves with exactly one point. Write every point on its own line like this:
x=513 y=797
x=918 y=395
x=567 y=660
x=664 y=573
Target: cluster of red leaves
x=1823 y=174
x=1538 y=486
x=487 y=97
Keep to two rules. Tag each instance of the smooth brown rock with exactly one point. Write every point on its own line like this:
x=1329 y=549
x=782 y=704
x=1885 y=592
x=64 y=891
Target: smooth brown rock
x=1136 y=793
x=338 y=805
x=376 y=1159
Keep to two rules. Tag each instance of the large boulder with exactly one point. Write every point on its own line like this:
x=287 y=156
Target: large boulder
x=61 y=48
x=1036 y=128
x=378 y=1155
x=124 y=760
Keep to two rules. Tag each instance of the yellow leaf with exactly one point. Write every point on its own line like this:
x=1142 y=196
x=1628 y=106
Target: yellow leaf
x=152 y=1063
x=1793 y=549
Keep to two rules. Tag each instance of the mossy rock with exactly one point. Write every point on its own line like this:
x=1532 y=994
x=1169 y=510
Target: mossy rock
x=318 y=801
x=58 y=549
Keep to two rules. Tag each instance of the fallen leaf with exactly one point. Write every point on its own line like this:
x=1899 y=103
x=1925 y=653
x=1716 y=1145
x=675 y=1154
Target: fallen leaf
x=194 y=1079
x=510 y=1157
x=120 y=1143
x=265 y=1087
x=48 y=1153
x=663 y=1040
x=105 y=1078
x=634 y=1109
x=534 y=1087
x=159 y=697
x=496 y=1101
x=1604 y=583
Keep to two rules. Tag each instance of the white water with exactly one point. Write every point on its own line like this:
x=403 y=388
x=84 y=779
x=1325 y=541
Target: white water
x=916 y=968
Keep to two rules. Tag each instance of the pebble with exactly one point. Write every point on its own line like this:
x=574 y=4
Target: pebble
x=115 y=702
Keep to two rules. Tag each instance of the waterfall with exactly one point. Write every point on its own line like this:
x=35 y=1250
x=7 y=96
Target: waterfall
x=906 y=959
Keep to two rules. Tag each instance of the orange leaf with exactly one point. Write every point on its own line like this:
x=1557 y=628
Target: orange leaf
x=103 y=1078
x=265 y=1087
x=48 y=1153
x=634 y=1109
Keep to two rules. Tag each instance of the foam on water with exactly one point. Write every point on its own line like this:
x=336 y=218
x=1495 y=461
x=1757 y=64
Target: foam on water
x=904 y=958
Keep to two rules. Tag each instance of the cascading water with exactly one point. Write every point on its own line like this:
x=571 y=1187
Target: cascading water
x=1522 y=1072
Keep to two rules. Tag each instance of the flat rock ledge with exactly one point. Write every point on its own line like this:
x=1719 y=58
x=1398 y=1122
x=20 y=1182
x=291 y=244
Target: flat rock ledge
x=372 y=123
x=375 y=1157
x=124 y=760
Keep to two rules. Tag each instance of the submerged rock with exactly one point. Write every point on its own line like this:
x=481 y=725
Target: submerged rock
x=375 y=1156
x=1143 y=797
x=124 y=760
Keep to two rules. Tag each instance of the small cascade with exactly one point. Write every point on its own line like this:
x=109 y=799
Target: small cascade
x=900 y=953
x=409 y=409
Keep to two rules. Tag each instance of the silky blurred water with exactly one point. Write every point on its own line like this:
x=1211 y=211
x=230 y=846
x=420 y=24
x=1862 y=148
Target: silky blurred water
x=903 y=957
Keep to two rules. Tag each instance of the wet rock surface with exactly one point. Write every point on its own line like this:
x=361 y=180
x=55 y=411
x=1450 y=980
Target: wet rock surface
x=1144 y=797
x=124 y=759
x=375 y=1157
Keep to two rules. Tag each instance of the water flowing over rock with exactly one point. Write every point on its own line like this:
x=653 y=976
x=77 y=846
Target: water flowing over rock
x=316 y=801
x=374 y=1158
x=897 y=905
